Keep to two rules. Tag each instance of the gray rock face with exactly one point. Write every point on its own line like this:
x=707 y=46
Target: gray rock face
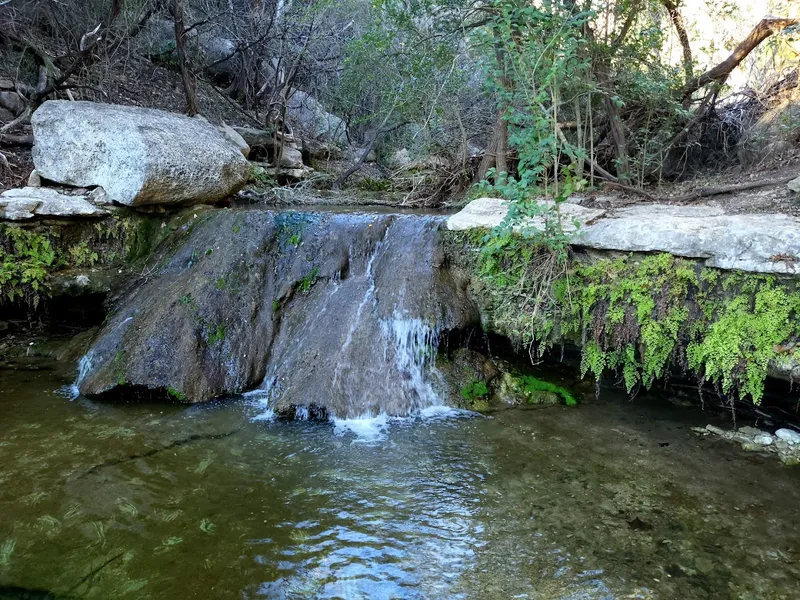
x=788 y=435
x=139 y=156
x=313 y=120
x=338 y=311
x=760 y=243
x=12 y=102
x=794 y=185
x=22 y=204
x=774 y=135
x=255 y=138
x=216 y=54
x=235 y=138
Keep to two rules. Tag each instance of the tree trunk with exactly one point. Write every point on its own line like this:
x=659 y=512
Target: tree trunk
x=680 y=28
x=189 y=81
x=761 y=32
x=496 y=153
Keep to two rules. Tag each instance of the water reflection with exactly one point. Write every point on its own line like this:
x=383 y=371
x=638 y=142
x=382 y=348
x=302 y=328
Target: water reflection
x=133 y=501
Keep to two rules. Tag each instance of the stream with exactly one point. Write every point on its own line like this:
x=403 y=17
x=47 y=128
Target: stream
x=609 y=500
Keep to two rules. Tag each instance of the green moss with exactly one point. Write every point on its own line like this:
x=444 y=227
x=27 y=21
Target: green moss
x=308 y=281
x=633 y=315
x=474 y=389
x=532 y=387
x=176 y=394
x=217 y=335
x=220 y=284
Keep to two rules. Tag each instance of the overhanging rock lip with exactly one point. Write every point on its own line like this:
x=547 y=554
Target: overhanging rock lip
x=758 y=243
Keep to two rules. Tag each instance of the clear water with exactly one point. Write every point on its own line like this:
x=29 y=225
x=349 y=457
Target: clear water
x=609 y=500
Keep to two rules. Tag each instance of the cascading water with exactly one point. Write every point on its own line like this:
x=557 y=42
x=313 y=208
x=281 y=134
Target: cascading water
x=84 y=367
x=373 y=335
x=324 y=314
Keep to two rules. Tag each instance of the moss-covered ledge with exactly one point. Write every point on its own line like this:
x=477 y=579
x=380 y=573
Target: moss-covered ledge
x=77 y=256
x=636 y=314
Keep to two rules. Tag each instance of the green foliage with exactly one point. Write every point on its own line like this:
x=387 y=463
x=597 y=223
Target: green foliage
x=530 y=385
x=217 y=335
x=261 y=178
x=308 y=281
x=82 y=255
x=475 y=389
x=746 y=336
x=641 y=316
x=26 y=260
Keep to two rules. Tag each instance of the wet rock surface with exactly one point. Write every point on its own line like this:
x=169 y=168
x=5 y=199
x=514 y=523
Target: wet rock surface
x=785 y=442
x=323 y=309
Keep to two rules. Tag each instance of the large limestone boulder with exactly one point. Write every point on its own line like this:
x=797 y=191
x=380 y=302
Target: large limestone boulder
x=311 y=118
x=774 y=136
x=139 y=156
x=488 y=213
x=26 y=203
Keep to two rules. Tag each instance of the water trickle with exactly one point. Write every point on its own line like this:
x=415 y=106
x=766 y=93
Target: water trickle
x=84 y=368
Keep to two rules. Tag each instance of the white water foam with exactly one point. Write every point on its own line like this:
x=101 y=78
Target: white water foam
x=367 y=429
x=260 y=400
x=84 y=367
x=413 y=343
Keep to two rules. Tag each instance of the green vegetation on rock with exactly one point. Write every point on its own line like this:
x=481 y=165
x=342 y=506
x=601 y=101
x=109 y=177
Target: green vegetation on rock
x=26 y=260
x=635 y=316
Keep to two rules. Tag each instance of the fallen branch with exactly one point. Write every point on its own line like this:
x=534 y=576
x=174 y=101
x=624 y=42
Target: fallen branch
x=26 y=141
x=727 y=189
x=633 y=190
x=20 y=120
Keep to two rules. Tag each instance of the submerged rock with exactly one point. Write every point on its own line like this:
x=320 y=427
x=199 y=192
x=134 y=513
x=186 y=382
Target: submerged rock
x=334 y=311
x=788 y=435
x=139 y=156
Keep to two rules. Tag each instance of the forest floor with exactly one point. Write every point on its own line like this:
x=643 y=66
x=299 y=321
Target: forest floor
x=775 y=197
x=141 y=82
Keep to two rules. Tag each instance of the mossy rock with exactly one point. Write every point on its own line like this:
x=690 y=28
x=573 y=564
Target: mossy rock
x=635 y=315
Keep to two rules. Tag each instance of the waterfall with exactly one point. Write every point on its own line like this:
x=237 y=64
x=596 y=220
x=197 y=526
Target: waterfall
x=320 y=314
x=373 y=334
x=84 y=368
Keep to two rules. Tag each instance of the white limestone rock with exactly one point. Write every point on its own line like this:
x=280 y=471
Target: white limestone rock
x=139 y=156
x=788 y=435
x=488 y=213
x=759 y=243
x=21 y=204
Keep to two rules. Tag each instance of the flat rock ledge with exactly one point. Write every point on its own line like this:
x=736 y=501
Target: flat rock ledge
x=23 y=204
x=756 y=243
x=783 y=442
